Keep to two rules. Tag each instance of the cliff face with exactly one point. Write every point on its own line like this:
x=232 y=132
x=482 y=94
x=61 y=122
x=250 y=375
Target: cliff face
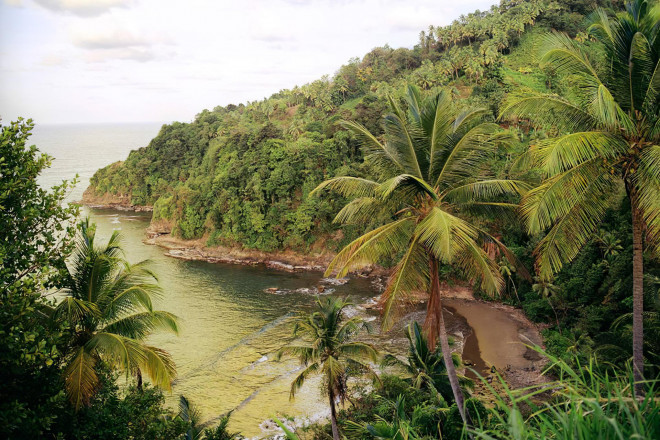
x=110 y=200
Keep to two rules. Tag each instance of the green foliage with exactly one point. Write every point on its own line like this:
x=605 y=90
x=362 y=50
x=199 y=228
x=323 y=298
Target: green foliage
x=35 y=225
x=135 y=414
x=239 y=175
x=36 y=238
x=424 y=368
x=220 y=432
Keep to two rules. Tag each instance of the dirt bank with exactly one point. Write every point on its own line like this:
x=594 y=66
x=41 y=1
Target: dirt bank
x=486 y=335
x=500 y=338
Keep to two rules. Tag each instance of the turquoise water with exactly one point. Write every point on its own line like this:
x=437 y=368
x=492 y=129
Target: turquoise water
x=230 y=328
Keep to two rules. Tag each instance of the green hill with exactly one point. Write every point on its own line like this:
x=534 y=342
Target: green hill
x=240 y=174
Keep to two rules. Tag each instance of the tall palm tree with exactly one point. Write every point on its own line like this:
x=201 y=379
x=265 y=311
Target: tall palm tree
x=108 y=303
x=328 y=348
x=431 y=170
x=424 y=366
x=609 y=132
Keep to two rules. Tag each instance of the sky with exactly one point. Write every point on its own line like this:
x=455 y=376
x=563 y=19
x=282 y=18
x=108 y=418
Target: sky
x=107 y=61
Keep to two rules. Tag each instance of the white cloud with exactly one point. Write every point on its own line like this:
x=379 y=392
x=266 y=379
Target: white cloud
x=110 y=40
x=83 y=8
x=167 y=59
x=52 y=60
x=120 y=53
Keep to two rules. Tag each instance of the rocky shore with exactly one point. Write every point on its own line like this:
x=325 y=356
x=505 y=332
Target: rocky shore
x=111 y=201
x=289 y=261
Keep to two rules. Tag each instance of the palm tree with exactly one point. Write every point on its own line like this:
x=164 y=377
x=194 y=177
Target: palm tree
x=108 y=303
x=609 y=244
x=507 y=270
x=327 y=348
x=609 y=134
x=431 y=170
x=425 y=367
x=546 y=288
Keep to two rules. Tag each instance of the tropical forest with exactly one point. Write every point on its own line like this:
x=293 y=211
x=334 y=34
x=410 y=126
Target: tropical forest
x=457 y=239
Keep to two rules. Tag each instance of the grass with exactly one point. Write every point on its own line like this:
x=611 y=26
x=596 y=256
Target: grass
x=590 y=401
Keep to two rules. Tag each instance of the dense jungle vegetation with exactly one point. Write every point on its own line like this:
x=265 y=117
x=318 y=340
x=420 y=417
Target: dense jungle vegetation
x=526 y=123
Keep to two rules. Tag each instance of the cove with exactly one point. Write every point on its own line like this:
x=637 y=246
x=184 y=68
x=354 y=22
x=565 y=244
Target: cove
x=231 y=329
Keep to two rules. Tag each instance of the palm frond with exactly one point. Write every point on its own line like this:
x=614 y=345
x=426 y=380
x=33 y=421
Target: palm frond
x=371 y=247
x=551 y=110
x=466 y=119
x=486 y=190
x=647 y=186
x=566 y=56
x=375 y=151
x=410 y=275
x=445 y=235
x=75 y=310
x=304 y=353
x=436 y=121
x=653 y=90
x=560 y=154
x=559 y=194
x=122 y=352
x=80 y=378
x=359 y=350
x=141 y=325
x=348 y=187
x=406 y=184
x=404 y=139
x=468 y=154
x=365 y=209
x=479 y=268
x=575 y=211
x=159 y=366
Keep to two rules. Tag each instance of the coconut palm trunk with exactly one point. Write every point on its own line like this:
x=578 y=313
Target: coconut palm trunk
x=435 y=325
x=638 y=297
x=333 y=414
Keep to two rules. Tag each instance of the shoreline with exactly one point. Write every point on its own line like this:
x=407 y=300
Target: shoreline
x=458 y=296
x=159 y=234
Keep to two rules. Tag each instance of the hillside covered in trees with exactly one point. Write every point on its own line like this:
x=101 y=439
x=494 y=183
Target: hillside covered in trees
x=241 y=174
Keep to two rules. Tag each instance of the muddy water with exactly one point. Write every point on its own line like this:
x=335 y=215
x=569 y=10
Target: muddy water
x=499 y=338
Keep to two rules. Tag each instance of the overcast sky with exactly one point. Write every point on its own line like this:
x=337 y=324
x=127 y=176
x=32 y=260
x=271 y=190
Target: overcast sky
x=69 y=61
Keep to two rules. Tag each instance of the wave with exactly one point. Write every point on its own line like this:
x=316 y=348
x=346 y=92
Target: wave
x=246 y=339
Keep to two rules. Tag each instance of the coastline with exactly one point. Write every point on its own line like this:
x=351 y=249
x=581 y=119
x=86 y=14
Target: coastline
x=197 y=250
